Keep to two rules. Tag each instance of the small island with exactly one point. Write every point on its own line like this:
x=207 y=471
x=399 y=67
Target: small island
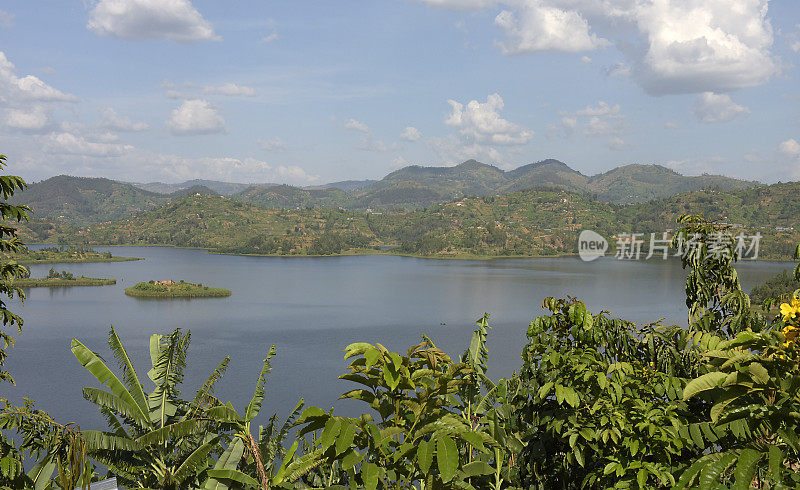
x=173 y=289
x=64 y=255
x=59 y=280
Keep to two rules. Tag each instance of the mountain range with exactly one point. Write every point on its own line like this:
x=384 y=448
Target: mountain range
x=83 y=200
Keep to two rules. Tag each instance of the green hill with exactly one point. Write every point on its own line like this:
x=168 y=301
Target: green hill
x=641 y=183
x=541 y=221
x=83 y=200
x=289 y=197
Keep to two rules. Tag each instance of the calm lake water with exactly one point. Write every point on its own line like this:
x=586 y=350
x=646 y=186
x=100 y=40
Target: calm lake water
x=311 y=308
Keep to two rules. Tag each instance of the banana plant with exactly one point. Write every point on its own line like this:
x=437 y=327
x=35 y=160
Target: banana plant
x=246 y=455
x=155 y=440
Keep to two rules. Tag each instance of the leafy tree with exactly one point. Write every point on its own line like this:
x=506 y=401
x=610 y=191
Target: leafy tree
x=9 y=269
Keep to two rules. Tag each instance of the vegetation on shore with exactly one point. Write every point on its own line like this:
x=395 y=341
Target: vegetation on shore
x=56 y=279
x=63 y=255
x=529 y=223
x=173 y=289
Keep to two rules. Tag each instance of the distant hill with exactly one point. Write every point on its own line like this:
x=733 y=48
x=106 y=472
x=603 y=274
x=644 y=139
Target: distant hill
x=87 y=200
x=345 y=185
x=640 y=183
x=289 y=197
x=83 y=200
x=540 y=221
x=417 y=186
x=221 y=188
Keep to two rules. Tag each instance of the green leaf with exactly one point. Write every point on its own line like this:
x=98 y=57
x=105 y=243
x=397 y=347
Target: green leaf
x=775 y=462
x=258 y=396
x=346 y=436
x=708 y=381
x=746 y=469
x=329 y=433
x=369 y=474
x=477 y=468
x=92 y=363
x=446 y=457
x=425 y=455
x=232 y=475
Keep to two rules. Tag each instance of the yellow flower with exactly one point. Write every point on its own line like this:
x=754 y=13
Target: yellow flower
x=789 y=311
x=791 y=333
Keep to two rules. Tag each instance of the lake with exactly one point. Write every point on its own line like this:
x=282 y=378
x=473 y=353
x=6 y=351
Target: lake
x=311 y=308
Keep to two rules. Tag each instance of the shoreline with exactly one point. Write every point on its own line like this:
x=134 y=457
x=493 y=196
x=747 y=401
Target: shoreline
x=366 y=252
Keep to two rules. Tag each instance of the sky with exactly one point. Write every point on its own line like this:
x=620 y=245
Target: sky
x=306 y=93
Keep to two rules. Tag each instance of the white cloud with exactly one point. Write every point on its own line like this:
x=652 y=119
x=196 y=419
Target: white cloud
x=602 y=109
x=28 y=87
x=230 y=89
x=196 y=116
x=175 y=20
x=113 y=121
x=618 y=70
x=481 y=123
x=601 y=119
x=452 y=151
x=69 y=144
x=618 y=144
x=686 y=46
x=586 y=59
x=356 y=125
x=295 y=173
x=790 y=148
x=713 y=108
x=671 y=125
x=6 y=19
x=368 y=143
x=34 y=119
x=272 y=36
x=272 y=144
x=708 y=45
x=399 y=162
x=535 y=26
x=410 y=134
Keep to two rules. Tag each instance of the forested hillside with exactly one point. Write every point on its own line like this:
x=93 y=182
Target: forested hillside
x=542 y=221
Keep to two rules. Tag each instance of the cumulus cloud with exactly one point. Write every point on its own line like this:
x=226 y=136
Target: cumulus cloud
x=708 y=45
x=410 y=134
x=114 y=122
x=368 y=143
x=272 y=144
x=535 y=26
x=33 y=119
x=356 y=125
x=713 y=108
x=28 y=87
x=790 y=148
x=452 y=150
x=481 y=122
x=196 y=116
x=70 y=144
x=230 y=89
x=685 y=46
x=602 y=119
x=175 y=20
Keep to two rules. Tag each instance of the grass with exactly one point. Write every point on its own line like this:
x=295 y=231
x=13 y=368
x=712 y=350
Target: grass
x=175 y=290
x=57 y=282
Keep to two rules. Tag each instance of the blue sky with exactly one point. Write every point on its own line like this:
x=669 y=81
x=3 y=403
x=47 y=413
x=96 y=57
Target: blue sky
x=312 y=92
